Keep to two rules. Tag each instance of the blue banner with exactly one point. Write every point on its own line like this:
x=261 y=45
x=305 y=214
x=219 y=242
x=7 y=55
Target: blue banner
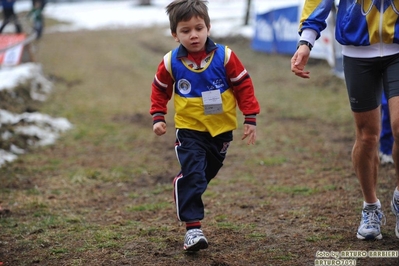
x=277 y=31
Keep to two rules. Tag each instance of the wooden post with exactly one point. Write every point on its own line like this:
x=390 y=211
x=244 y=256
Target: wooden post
x=145 y=2
x=247 y=13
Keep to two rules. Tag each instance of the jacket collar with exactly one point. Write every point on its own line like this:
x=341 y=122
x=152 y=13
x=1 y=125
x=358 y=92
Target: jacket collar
x=209 y=47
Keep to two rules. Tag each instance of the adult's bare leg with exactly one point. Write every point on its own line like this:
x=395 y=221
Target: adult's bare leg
x=394 y=116
x=365 y=162
x=365 y=152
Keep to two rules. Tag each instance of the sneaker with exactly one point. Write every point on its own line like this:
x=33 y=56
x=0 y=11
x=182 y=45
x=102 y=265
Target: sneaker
x=395 y=210
x=195 y=240
x=385 y=159
x=369 y=227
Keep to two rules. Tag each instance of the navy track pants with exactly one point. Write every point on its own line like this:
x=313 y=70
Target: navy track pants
x=200 y=156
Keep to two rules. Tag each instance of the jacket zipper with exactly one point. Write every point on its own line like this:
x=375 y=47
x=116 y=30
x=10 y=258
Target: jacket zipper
x=380 y=26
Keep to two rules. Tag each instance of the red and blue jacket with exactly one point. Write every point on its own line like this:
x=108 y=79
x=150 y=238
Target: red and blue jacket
x=185 y=77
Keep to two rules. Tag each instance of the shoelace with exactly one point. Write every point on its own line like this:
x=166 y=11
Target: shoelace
x=372 y=217
x=395 y=205
x=193 y=234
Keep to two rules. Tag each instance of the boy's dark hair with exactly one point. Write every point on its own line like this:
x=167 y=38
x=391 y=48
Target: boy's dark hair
x=184 y=10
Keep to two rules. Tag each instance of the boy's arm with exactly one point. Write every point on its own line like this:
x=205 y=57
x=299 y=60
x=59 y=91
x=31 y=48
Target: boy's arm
x=162 y=90
x=243 y=89
x=244 y=92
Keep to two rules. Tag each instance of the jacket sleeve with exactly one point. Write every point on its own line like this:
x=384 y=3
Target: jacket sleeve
x=161 y=93
x=314 y=15
x=242 y=87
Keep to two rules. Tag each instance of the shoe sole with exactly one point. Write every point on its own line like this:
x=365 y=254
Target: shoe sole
x=201 y=244
x=369 y=237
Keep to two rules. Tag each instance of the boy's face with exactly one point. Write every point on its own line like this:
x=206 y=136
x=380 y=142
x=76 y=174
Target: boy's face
x=192 y=34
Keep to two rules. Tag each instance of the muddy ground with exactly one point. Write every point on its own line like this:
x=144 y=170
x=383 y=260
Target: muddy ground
x=102 y=195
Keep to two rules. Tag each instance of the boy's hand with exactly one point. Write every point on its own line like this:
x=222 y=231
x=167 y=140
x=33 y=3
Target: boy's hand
x=159 y=128
x=250 y=132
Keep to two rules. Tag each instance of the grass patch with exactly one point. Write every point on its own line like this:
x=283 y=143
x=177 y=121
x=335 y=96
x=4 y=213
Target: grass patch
x=103 y=194
x=150 y=207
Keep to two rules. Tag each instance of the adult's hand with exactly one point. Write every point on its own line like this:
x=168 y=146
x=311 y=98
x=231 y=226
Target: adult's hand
x=299 y=61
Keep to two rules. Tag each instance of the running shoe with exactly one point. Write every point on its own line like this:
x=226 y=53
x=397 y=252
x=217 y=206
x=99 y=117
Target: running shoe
x=395 y=210
x=195 y=240
x=370 y=225
x=385 y=159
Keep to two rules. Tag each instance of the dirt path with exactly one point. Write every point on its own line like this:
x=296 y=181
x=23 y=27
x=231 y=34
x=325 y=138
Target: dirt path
x=103 y=195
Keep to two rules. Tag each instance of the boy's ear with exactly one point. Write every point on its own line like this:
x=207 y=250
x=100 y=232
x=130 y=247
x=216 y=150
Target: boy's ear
x=175 y=36
x=209 y=30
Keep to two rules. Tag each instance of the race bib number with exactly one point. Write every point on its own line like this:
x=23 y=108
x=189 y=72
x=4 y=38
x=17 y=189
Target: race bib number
x=212 y=102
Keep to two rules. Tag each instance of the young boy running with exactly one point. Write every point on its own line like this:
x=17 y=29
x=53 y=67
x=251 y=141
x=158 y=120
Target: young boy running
x=207 y=80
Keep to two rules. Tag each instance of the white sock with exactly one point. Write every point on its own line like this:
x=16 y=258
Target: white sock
x=378 y=203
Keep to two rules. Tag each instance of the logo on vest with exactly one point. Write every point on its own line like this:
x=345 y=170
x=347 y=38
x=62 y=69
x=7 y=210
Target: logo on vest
x=216 y=84
x=184 y=86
